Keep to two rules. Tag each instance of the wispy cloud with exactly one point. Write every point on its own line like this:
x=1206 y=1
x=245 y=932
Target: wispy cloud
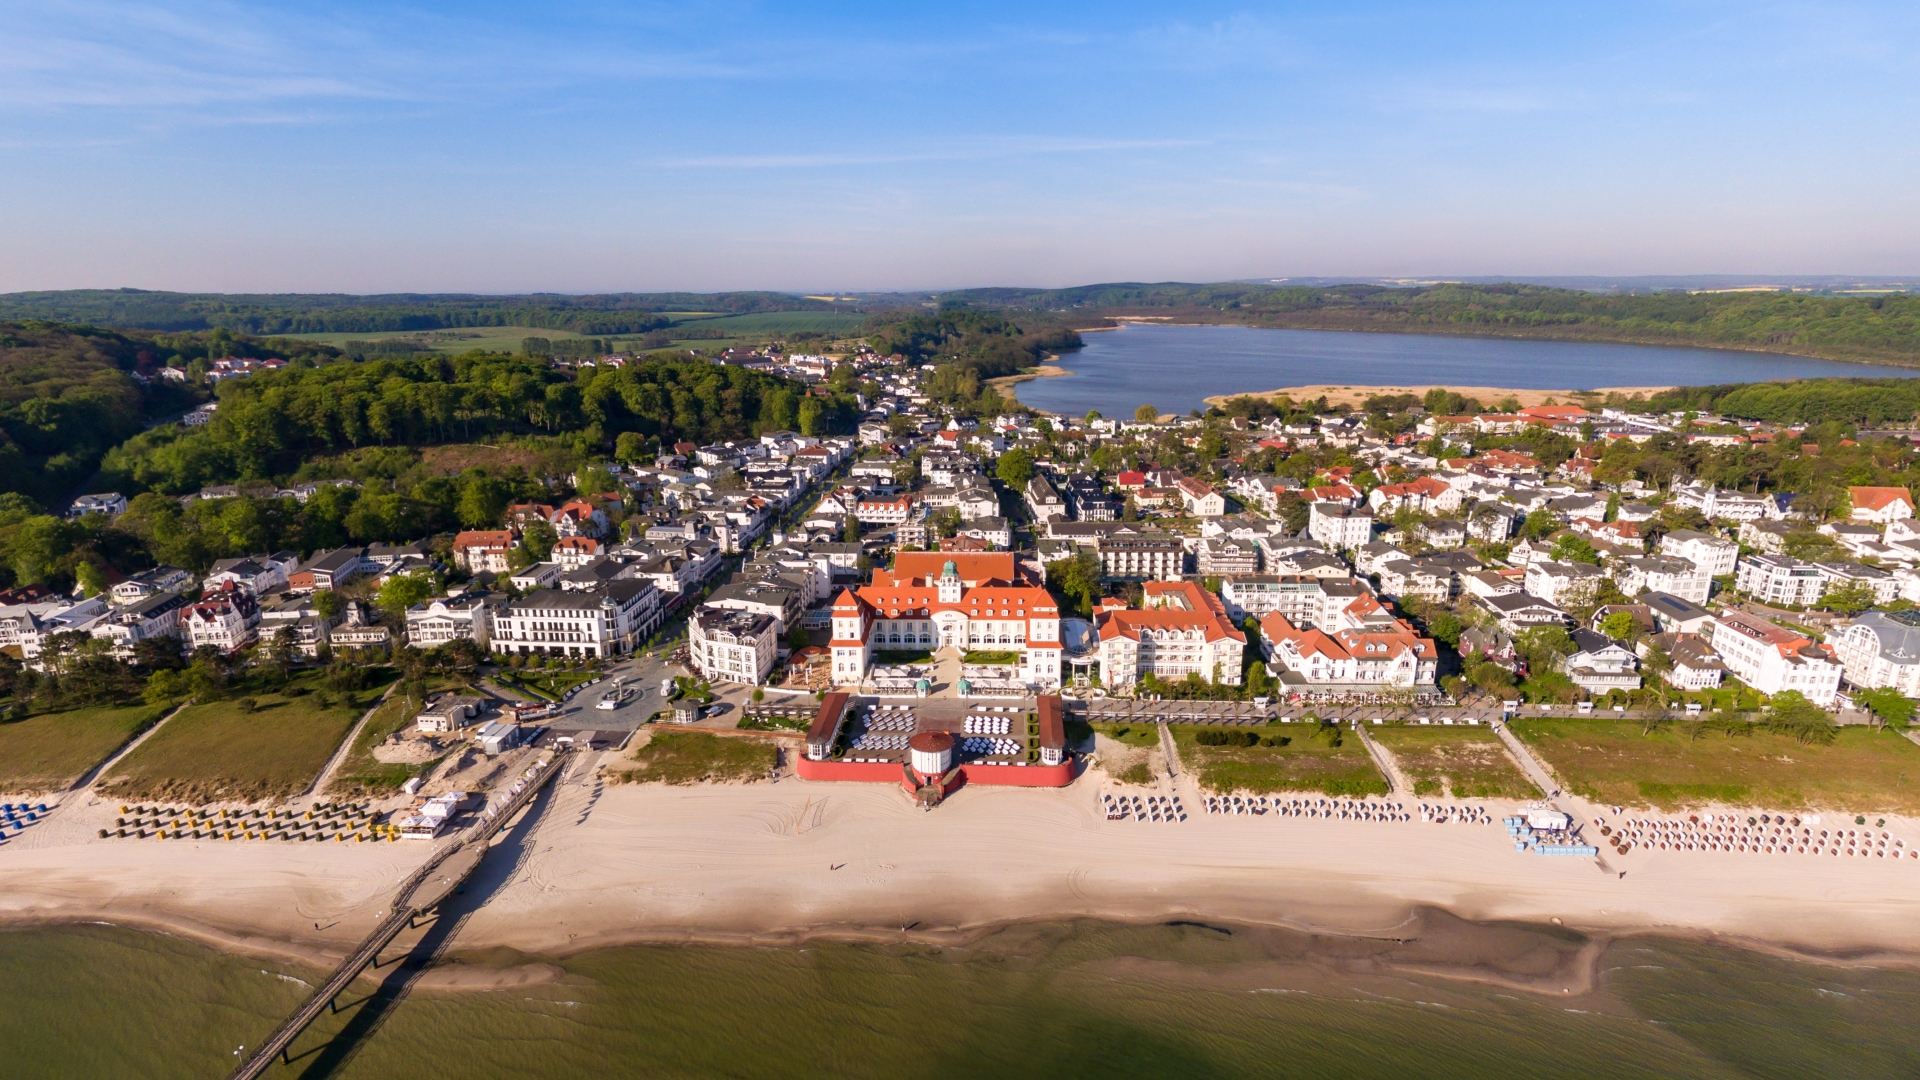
x=106 y=55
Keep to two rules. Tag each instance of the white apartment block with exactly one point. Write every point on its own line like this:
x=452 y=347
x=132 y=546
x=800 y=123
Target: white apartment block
x=1338 y=526
x=605 y=622
x=1780 y=579
x=1561 y=584
x=443 y=619
x=1713 y=555
x=1663 y=574
x=1773 y=660
x=733 y=646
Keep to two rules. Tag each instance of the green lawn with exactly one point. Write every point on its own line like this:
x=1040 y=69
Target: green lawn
x=1139 y=736
x=1683 y=764
x=695 y=757
x=988 y=657
x=1309 y=760
x=361 y=773
x=49 y=751
x=540 y=684
x=1456 y=762
x=220 y=752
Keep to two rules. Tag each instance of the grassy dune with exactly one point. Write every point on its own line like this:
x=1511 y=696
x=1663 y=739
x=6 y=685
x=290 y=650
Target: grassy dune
x=1455 y=762
x=219 y=751
x=1683 y=765
x=50 y=751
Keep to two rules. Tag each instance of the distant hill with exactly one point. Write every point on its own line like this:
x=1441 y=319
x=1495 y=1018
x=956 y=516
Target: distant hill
x=1882 y=329
x=328 y=313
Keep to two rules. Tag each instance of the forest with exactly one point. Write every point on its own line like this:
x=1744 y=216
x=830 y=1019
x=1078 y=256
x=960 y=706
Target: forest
x=69 y=393
x=1884 y=329
x=297 y=313
x=1807 y=401
x=267 y=425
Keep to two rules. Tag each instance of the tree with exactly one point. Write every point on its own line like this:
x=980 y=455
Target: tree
x=1848 y=597
x=404 y=591
x=850 y=532
x=1888 y=704
x=1538 y=524
x=1146 y=414
x=1794 y=715
x=630 y=448
x=1446 y=628
x=1077 y=576
x=91 y=580
x=1620 y=626
x=538 y=537
x=1015 y=468
x=1572 y=547
x=328 y=604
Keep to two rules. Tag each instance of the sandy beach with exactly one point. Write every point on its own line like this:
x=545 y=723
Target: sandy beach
x=789 y=860
x=1486 y=395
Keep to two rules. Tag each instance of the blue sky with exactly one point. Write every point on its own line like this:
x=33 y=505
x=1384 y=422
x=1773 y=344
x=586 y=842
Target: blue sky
x=592 y=147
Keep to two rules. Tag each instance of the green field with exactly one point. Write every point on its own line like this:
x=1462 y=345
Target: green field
x=773 y=323
x=221 y=752
x=1455 y=762
x=1683 y=764
x=49 y=751
x=695 y=757
x=361 y=773
x=452 y=342
x=1308 y=760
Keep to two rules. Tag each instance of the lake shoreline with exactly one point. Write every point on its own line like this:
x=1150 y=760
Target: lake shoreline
x=1355 y=395
x=1216 y=360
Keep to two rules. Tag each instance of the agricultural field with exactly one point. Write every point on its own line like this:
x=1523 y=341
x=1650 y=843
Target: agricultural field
x=1686 y=763
x=1455 y=762
x=227 y=751
x=764 y=324
x=360 y=773
x=50 y=751
x=451 y=342
x=695 y=757
x=1288 y=757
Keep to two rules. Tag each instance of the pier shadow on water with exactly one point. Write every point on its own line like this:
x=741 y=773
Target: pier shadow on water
x=403 y=969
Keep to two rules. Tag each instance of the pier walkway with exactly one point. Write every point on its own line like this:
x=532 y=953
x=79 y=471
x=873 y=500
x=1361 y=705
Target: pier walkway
x=422 y=891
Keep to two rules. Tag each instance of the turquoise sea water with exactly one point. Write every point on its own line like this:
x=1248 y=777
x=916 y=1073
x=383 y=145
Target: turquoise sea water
x=1174 y=367
x=1058 y=1000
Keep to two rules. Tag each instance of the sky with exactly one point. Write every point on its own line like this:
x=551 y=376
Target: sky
x=566 y=147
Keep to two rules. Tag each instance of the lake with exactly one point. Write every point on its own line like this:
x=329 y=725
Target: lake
x=1175 y=367
x=1053 y=1001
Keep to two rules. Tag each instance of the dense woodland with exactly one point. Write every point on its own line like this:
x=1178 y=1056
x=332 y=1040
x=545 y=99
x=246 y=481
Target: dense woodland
x=68 y=394
x=971 y=347
x=267 y=425
x=297 y=313
x=1885 y=329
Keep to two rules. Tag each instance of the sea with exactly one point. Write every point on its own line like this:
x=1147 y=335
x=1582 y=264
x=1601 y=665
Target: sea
x=1053 y=1000
x=1174 y=367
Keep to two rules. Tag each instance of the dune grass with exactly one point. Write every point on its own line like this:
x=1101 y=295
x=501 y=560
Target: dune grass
x=361 y=773
x=221 y=751
x=1684 y=764
x=696 y=757
x=1455 y=762
x=1301 y=757
x=52 y=750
